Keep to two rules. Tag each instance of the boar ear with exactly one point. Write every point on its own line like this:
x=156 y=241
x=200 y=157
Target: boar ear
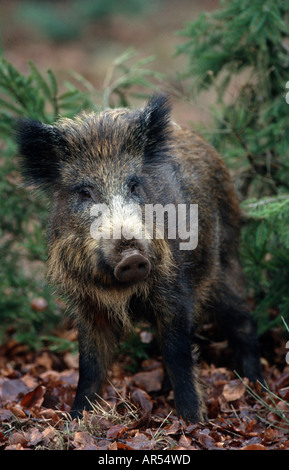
x=38 y=144
x=156 y=118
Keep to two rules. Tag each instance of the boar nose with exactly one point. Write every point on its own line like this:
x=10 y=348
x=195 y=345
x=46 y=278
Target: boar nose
x=133 y=267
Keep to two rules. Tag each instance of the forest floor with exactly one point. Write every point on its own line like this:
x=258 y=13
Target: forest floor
x=37 y=390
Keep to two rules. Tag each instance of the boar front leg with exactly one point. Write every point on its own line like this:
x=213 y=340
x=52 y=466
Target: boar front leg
x=180 y=359
x=96 y=348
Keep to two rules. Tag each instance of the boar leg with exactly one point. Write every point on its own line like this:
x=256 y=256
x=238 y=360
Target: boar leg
x=95 y=357
x=180 y=360
x=241 y=332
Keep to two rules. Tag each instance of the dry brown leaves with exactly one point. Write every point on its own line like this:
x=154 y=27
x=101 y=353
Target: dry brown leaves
x=36 y=392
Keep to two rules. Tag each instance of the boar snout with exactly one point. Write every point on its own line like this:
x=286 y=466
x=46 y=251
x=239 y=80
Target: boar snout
x=132 y=267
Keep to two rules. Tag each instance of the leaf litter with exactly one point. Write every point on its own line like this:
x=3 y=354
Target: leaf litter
x=134 y=412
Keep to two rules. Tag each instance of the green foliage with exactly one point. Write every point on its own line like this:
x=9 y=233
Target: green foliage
x=127 y=79
x=241 y=52
x=136 y=350
x=265 y=256
x=23 y=215
x=35 y=96
x=64 y=21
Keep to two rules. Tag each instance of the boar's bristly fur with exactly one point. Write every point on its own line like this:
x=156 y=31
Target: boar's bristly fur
x=121 y=158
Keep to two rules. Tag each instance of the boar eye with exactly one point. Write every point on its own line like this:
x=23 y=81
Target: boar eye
x=133 y=184
x=132 y=188
x=85 y=193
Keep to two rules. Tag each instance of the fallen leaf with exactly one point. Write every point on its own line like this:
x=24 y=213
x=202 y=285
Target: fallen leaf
x=206 y=440
x=5 y=415
x=39 y=304
x=282 y=381
x=33 y=436
x=113 y=446
x=71 y=360
x=250 y=427
x=172 y=428
x=11 y=389
x=123 y=446
x=151 y=381
x=16 y=447
x=234 y=390
x=116 y=431
x=254 y=447
x=103 y=444
x=141 y=398
x=17 y=438
x=184 y=441
x=140 y=442
x=33 y=398
x=48 y=435
x=83 y=441
x=45 y=360
x=146 y=337
x=271 y=435
x=213 y=408
x=51 y=416
x=17 y=410
x=30 y=382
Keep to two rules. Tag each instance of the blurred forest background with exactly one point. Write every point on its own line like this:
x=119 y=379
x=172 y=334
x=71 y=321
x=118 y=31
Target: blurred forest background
x=225 y=65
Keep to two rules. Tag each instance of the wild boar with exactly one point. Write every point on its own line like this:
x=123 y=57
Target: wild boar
x=112 y=167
